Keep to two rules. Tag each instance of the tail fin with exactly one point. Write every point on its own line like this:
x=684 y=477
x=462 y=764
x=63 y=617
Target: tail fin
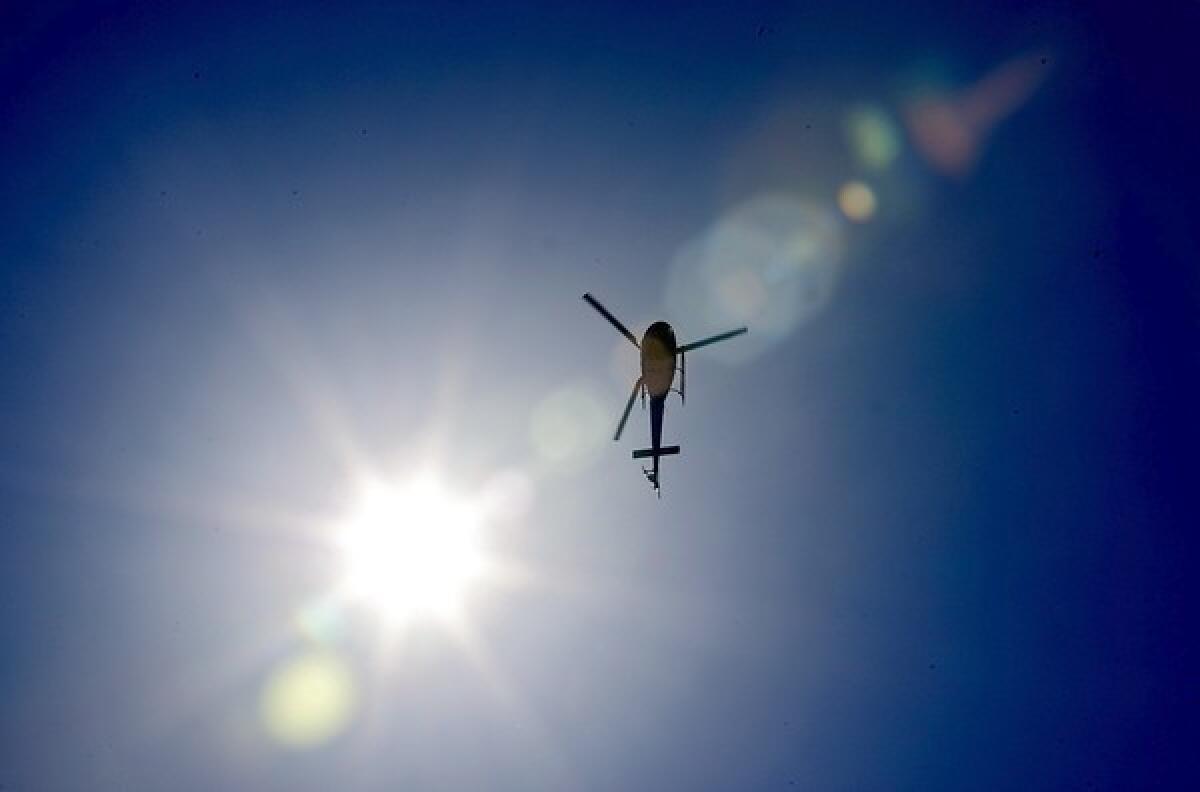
x=645 y=453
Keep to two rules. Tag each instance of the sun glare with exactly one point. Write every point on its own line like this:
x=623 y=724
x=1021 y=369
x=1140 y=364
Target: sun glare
x=412 y=551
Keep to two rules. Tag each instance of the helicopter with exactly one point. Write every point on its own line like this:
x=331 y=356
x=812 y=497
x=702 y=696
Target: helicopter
x=659 y=352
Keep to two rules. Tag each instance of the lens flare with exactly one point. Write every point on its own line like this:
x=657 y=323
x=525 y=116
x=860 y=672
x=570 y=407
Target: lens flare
x=874 y=137
x=857 y=201
x=308 y=701
x=569 y=427
x=770 y=263
x=949 y=130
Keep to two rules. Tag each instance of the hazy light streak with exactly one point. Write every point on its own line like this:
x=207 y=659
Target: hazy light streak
x=530 y=728
x=279 y=339
x=950 y=131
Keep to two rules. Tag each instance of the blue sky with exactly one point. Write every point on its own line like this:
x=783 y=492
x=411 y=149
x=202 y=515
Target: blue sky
x=933 y=521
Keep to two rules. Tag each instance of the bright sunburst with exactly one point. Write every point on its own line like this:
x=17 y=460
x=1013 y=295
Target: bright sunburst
x=412 y=550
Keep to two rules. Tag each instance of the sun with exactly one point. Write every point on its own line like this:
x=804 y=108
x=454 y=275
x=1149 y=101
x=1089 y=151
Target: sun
x=412 y=551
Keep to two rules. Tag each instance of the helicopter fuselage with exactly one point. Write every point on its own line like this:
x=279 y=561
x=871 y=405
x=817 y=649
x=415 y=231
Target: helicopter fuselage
x=658 y=359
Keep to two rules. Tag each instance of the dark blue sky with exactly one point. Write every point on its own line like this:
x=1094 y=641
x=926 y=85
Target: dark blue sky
x=933 y=526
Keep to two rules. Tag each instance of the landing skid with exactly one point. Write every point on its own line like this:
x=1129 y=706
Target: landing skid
x=653 y=479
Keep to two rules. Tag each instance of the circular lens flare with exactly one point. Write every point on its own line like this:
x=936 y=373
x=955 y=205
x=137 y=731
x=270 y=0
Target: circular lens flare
x=857 y=201
x=771 y=263
x=568 y=428
x=873 y=137
x=308 y=701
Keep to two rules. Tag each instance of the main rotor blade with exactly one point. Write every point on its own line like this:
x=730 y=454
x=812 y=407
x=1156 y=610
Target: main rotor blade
x=592 y=301
x=628 y=407
x=712 y=340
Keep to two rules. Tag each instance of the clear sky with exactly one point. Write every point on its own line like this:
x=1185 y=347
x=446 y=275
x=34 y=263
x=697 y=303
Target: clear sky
x=291 y=294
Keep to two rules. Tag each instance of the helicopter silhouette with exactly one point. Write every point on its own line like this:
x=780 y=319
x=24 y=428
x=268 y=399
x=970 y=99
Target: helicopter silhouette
x=659 y=352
